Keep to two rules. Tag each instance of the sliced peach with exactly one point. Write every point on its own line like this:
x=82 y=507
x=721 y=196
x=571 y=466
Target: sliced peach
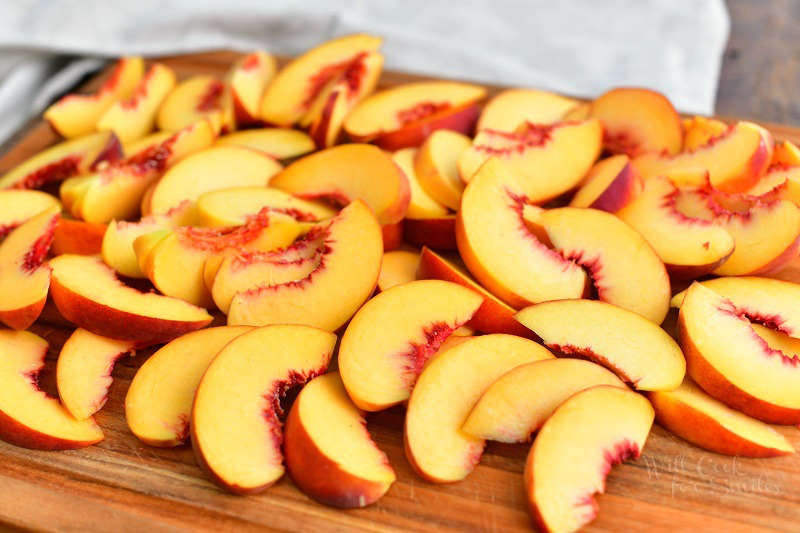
x=436 y=166
x=398 y=267
x=379 y=365
x=246 y=81
x=134 y=118
x=581 y=111
x=348 y=172
x=699 y=131
x=343 y=280
x=29 y=417
x=786 y=153
x=192 y=100
x=512 y=107
x=77 y=237
x=232 y=206
x=392 y=236
x=24 y=275
x=248 y=377
x=18 y=206
x=159 y=400
x=645 y=356
x=578 y=445
x=437 y=232
x=789 y=272
x=83 y=374
x=611 y=184
x=278 y=143
x=781 y=182
x=421 y=205
x=87 y=293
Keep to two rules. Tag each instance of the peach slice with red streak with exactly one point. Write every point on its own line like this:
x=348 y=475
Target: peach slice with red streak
x=342 y=281
x=19 y=205
x=518 y=403
x=436 y=166
x=278 y=143
x=398 y=267
x=646 y=357
x=436 y=232
x=192 y=100
x=444 y=395
x=575 y=450
x=62 y=161
x=379 y=365
x=249 y=377
x=345 y=173
x=512 y=107
x=24 y=275
x=77 y=114
x=88 y=294
x=710 y=424
x=29 y=417
x=421 y=204
x=325 y=432
x=689 y=247
x=786 y=153
x=133 y=118
x=547 y=160
x=246 y=81
x=734 y=160
x=781 y=182
x=83 y=373
x=77 y=237
x=732 y=363
x=159 y=400
x=405 y=115
x=232 y=206
x=611 y=184
x=502 y=252
x=638 y=120
x=699 y=131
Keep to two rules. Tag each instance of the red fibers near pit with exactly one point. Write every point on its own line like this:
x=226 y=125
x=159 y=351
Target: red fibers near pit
x=55 y=171
x=140 y=92
x=34 y=258
x=154 y=158
x=295 y=213
x=621 y=143
x=8 y=228
x=209 y=101
x=578 y=352
x=518 y=203
x=182 y=427
x=349 y=72
x=419 y=353
x=529 y=136
x=217 y=239
x=670 y=203
x=593 y=267
x=273 y=397
x=773 y=322
x=420 y=111
x=616 y=454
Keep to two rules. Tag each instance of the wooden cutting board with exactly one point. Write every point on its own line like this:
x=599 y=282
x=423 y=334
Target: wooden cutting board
x=123 y=485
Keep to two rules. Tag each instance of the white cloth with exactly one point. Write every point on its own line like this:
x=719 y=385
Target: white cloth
x=579 y=47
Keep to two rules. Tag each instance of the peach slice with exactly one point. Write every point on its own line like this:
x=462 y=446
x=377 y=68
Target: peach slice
x=436 y=166
x=699 y=131
x=246 y=81
x=232 y=206
x=581 y=111
x=444 y=395
x=575 y=450
x=87 y=293
x=734 y=160
x=689 y=247
x=24 y=276
x=28 y=417
x=437 y=232
x=397 y=267
x=638 y=120
x=77 y=114
x=512 y=107
x=343 y=280
x=83 y=373
x=379 y=365
x=77 y=237
x=786 y=153
x=611 y=184
x=705 y=422
x=248 y=377
x=778 y=340
x=278 y=143
x=159 y=400
x=405 y=115
x=325 y=432
x=732 y=363
x=18 y=206
x=645 y=357
x=392 y=236
x=194 y=99
x=518 y=403
x=348 y=172
x=781 y=182
x=134 y=118
x=421 y=204
x=546 y=160
x=62 y=161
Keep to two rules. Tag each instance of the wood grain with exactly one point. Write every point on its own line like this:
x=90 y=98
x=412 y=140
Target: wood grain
x=124 y=485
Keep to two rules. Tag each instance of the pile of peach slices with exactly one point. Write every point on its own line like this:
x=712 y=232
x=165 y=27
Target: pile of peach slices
x=500 y=270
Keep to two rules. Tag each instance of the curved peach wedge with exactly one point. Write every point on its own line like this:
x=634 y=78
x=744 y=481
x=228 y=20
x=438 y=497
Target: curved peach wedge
x=19 y=205
x=785 y=153
x=512 y=107
x=194 y=99
x=611 y=184
x=397 y=267
x=233 y=206
x=781 y=182
x=445 y=393
x=699 y=131
x=248 y=377
x=278 y=143
x=576 y=448
x=246 y=81
x=421 y=204
x=436 y=166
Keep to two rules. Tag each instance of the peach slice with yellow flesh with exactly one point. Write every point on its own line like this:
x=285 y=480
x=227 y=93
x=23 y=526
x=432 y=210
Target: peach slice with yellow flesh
x=518 y=403
x=278 y=143
x=637 y=120
x=501 y=251
x=29 y=417
x=734 y=160
x=732 y=363
x=83 y=373
x=133 y=118
x=404 y=116
x=781 y=182
x=348 y=172
x=645 y=356
x=437 y=232
x=159 y=400
x=248 y=377
x=547 y=160
x=512 y=107
x=786 y=153
x=710 y=424
x=436 y=166
x=581 y=111
x=398 y=267
x=342 y=281
x=62 y=161
x=575 y=450
x=194 y=99
x=232 y=206
x=77 y=237
x=325 y=432
x=24 y=275
x=421 y=205
x=379 y=365
x=246 y=81
x=88 y=294
x=699 y=131
x=444 y=395
x=611 y=184
x=77 y=114
x=19 y=205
